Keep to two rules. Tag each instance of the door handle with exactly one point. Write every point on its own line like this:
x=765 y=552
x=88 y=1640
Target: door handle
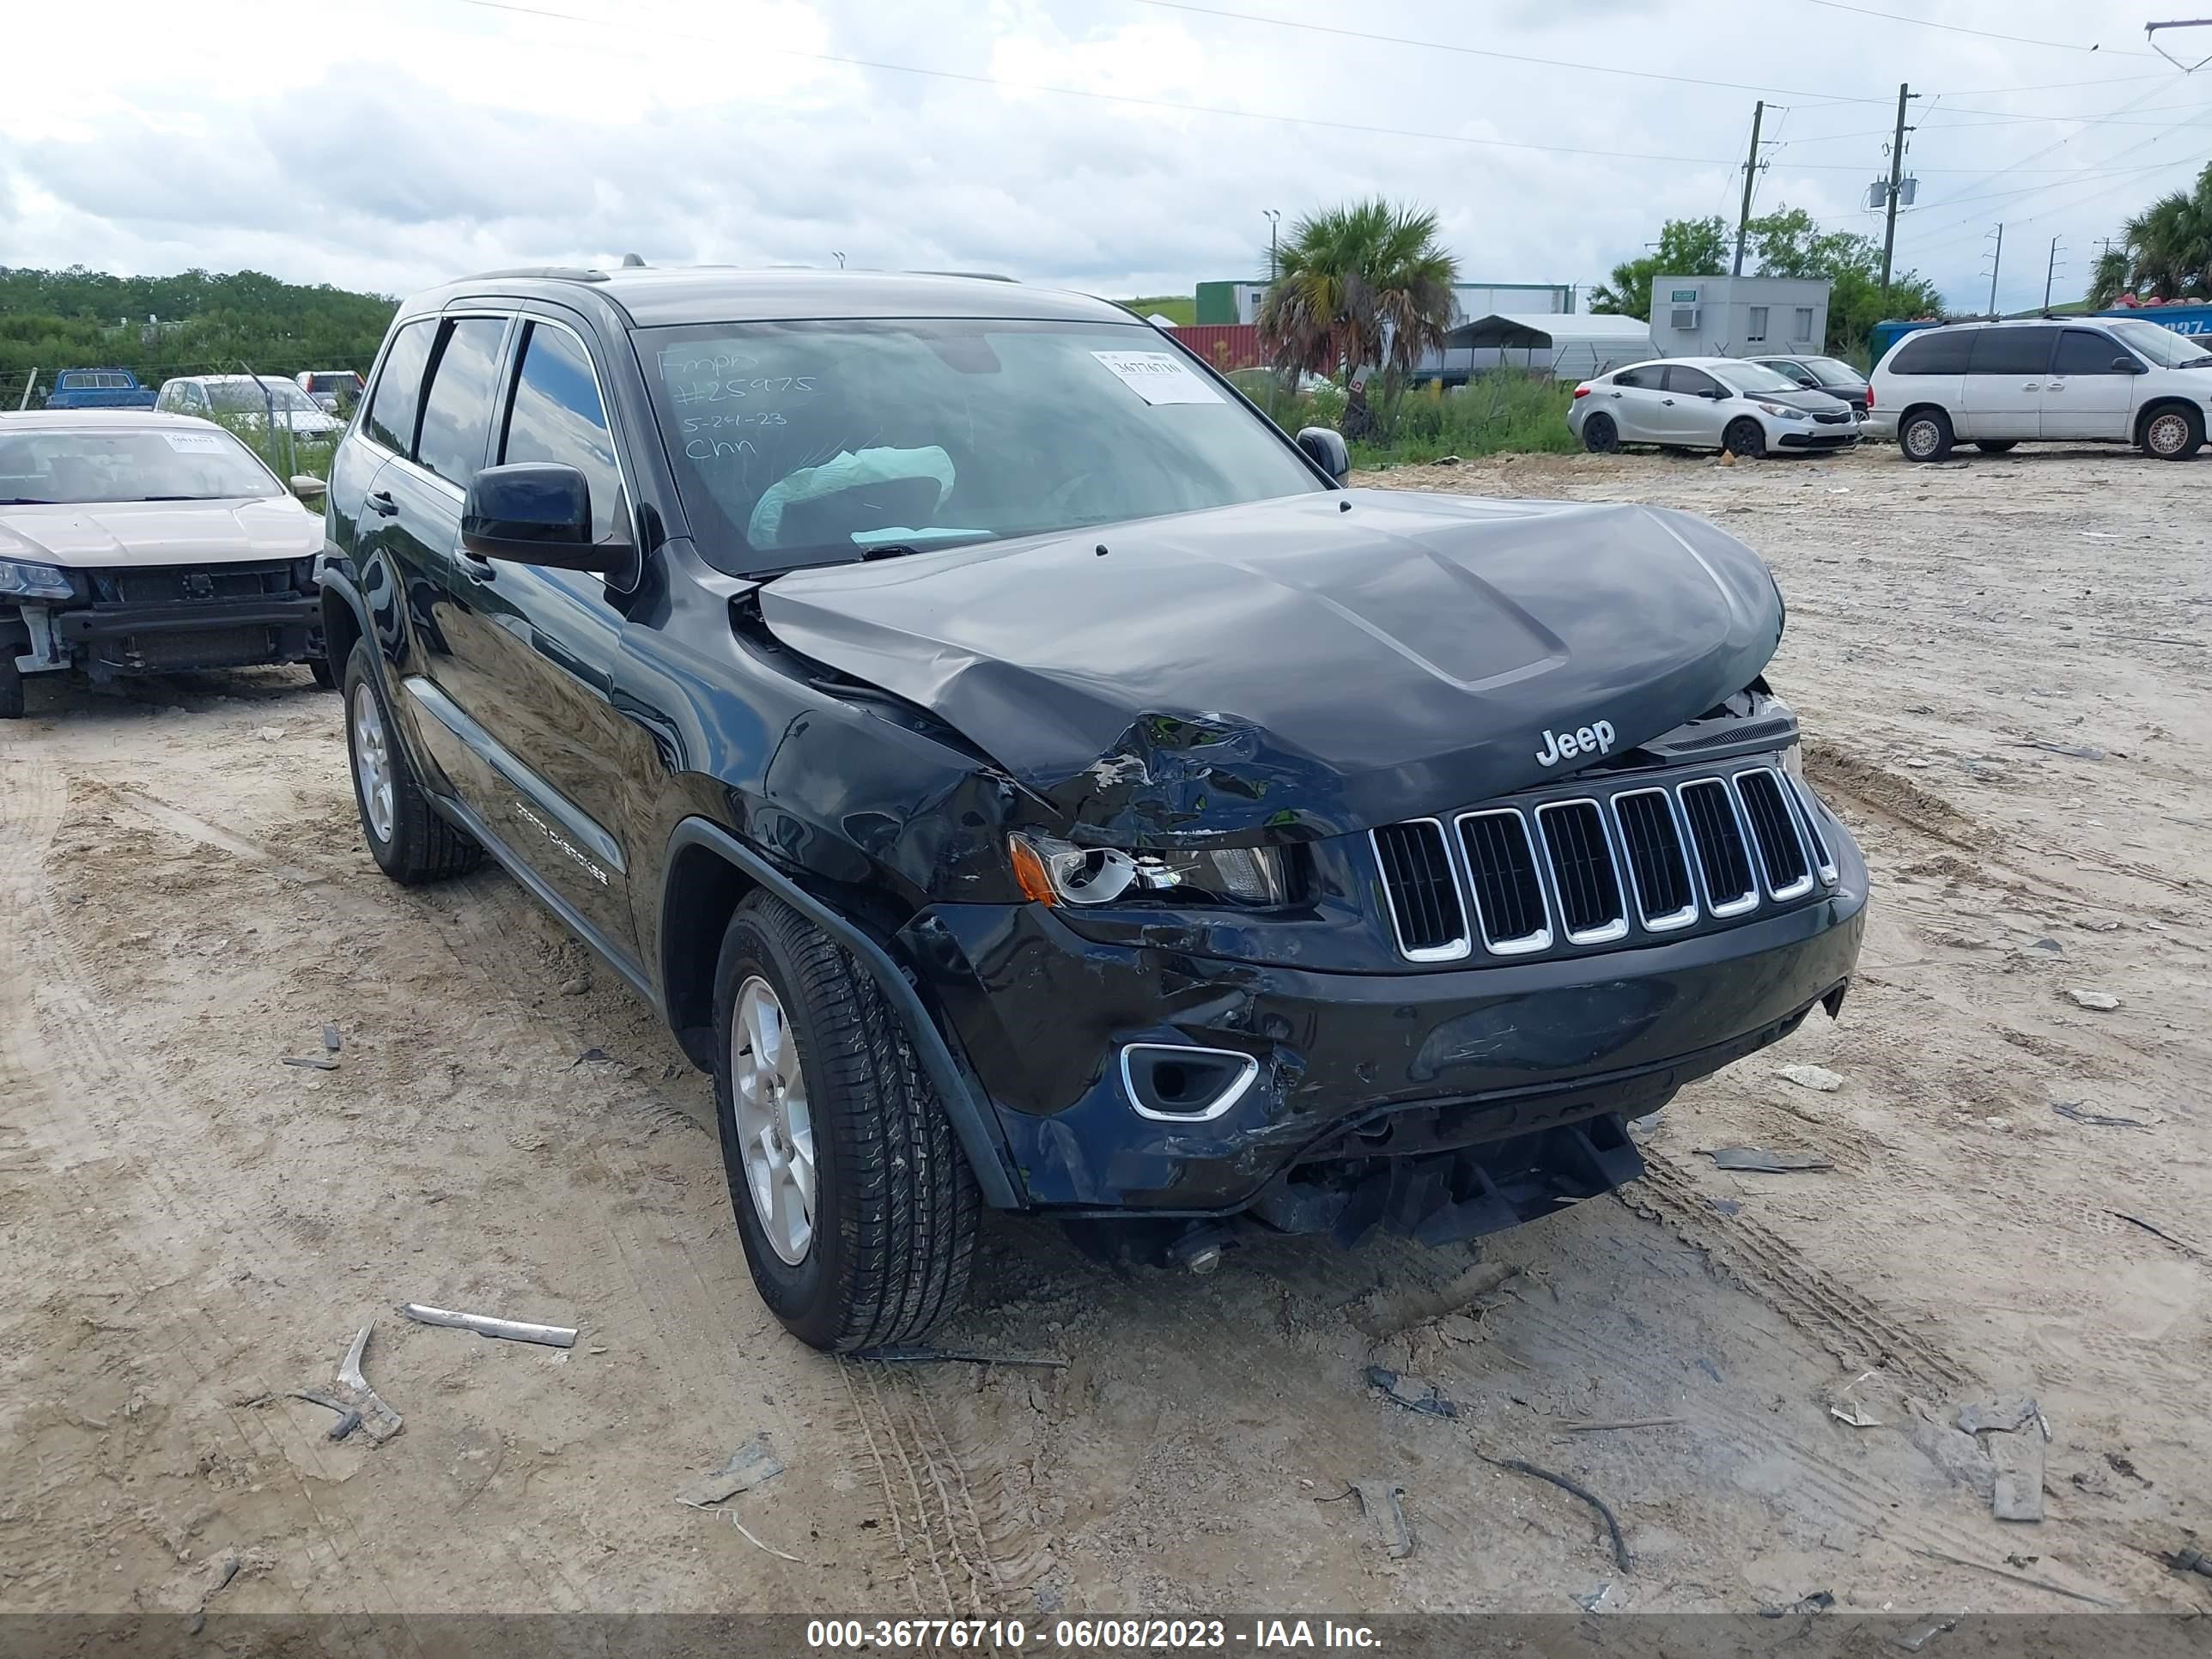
x=1616 y=397
x=2032 y=386
x=381 y=502
x=475 y=566
x=1669 y=402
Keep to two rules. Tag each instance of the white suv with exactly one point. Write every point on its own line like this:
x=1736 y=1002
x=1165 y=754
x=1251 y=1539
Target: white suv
x=2088 y=380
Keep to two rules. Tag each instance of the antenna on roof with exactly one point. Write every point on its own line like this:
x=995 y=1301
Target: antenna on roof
x=632 y=262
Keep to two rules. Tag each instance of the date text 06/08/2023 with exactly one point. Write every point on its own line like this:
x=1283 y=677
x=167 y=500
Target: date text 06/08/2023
x=1087 y=1635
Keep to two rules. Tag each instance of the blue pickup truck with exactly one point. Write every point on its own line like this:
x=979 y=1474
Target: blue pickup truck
x=99 y=388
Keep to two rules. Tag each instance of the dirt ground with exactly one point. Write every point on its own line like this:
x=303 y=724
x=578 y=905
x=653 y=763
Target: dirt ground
x=190 y=1227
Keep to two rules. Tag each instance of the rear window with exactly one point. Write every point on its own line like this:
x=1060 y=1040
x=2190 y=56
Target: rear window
x=457 y=409
x=399 y=387
x=1935 y=352
x=1643 y=379
x=2011 y=351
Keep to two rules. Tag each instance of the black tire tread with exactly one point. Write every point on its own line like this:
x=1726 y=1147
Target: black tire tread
x=11 y=691
x=424 y=846
x=907 y=1204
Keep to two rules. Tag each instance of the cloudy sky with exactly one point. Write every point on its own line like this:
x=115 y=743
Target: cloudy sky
x=1119 y=146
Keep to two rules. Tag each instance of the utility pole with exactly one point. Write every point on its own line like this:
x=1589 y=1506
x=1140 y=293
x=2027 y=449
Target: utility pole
x=1750 y=172
x=2050 y=271
x=1996 y=259
x=1272 y=214
x=1896 y=176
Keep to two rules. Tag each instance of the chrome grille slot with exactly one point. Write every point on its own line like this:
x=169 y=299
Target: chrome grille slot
x=1808 y=812
x=1658 y=862
x=1723 y=860
x=1417 y=878
x=1781 y=854
x=1508 y=895
x=1582 y=873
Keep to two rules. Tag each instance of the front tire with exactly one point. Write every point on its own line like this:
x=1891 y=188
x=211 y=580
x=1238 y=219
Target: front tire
x=2174 y=433
x=1600 y=435
x=1925 y=435
x=409 y=841
x=1745 y=440
x=853 y=1197
x=12 y=686
x=326 y=679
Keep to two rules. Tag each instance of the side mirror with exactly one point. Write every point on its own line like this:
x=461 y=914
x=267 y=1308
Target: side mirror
x=1326 y=448
x=307 y=487
x=533 y=512
x=2124 y=364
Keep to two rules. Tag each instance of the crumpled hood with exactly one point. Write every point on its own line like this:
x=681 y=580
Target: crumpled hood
x=106 y=535
x=1305 y=666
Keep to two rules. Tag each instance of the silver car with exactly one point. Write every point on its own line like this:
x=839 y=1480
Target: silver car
x=140 y=543
x=1708 y=403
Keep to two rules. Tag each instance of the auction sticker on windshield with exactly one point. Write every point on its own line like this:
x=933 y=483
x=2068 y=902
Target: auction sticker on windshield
x=194 y=443
x=1157 y=377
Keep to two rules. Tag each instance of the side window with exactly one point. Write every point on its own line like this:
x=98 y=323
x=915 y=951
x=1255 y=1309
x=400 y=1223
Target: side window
x=399 y=387
x=2009 y=351
x=457 y=408
x=2081 y=352
x=1639 y=379
x=1796 y=371
x=1757 y=329
x=1691 y=382
x=1937 y=351
x=554 y=416
x=1802 y=328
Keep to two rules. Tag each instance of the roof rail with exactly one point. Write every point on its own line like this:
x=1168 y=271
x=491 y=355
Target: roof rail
x=977 y=276
x=556 y=273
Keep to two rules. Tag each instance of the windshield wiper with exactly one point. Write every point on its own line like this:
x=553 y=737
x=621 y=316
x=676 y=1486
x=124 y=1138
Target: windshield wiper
x=28 y=501
x=886 y=550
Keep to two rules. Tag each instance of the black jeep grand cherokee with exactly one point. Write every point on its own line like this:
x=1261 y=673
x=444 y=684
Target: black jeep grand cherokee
x=1023 y=777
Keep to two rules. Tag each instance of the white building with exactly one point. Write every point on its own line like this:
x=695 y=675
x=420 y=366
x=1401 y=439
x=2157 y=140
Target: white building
x=1738 y=316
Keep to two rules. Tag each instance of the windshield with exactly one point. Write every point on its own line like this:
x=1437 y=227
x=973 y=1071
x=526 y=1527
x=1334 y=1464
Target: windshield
x=1758 y=377
x=1832 y=372
x=2161 y=345
x=141 y=466
x=244 y=397
x=809 y=442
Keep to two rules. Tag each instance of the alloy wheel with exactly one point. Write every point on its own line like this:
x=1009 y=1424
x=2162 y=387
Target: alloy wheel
x=372 y=762
x=776 y=1130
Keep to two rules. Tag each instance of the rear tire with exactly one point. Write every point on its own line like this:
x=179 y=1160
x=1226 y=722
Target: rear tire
x=1925 y=435
x=1600 y=435
x=891 y=1218
x=1995 y=446
x=12 y=686
x=409 y=841
x=1745 y=439
x=2173 y=433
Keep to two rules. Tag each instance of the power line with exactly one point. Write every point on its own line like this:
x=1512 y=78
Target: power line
x=1986 y=34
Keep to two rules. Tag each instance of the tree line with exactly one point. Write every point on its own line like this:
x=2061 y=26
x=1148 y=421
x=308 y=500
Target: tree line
x=208 y=323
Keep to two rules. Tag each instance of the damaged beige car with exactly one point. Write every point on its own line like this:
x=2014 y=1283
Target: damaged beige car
x=139 y=542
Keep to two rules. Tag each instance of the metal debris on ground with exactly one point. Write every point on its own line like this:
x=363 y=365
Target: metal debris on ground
x=314 y=1063
x=2076 y=750
x=1818 y=1078
x=923 y=1355
x=588 y=1055
x=751 y=1465
x=1913 y=1640
x=1815 y=1602
x=2050 y=946
x=2102 y=1001
x=1866 y=1401
x=1595 y=1600
x=2080 y=1114
x=1379 y=1502
x=378 y=1420
x=509 y=1330
x=1624 y=1423
x=1621 y=1557
x=349 y=1418
x=1409 y=1392
x=2189 y=1561
x=2001 y=1428
x=2157 y=1232
x=2028 y=1579
x=1758 y=1161
x=330 y=1039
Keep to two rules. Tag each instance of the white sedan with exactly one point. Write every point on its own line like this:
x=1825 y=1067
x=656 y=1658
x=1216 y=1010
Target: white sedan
x=136 y=542
x=1708 y=403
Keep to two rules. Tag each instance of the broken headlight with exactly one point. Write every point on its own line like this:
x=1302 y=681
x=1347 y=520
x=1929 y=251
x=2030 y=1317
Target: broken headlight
x=19 y=580
x=1054 y=872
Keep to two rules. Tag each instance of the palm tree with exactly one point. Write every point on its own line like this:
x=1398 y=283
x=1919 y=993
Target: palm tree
x=2165 y=250
x=1365 y=283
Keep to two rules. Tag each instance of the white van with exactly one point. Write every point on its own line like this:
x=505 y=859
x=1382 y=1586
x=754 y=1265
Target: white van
x=2088 y=380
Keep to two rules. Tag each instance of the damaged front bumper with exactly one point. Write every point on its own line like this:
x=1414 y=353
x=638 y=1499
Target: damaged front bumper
x=170 y=621
x=1135 y=1080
